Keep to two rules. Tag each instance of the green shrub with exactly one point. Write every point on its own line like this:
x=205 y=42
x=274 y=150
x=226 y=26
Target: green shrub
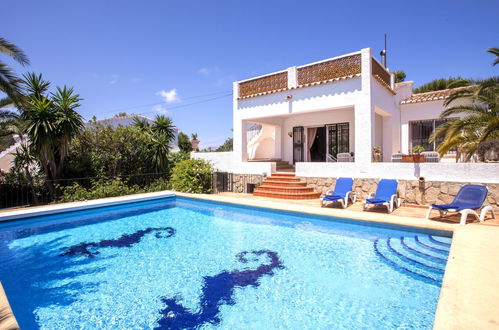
x=159 y=185
x=193 y=176
x=99 y=189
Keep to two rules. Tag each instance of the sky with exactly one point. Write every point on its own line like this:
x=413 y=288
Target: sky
x=179 y=58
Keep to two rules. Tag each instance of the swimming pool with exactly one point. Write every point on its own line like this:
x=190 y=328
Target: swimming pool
x=181 y=263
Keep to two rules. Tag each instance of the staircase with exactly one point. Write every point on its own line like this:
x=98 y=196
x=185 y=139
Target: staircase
x=283 y=166
x=285 y=186
x=422 y=257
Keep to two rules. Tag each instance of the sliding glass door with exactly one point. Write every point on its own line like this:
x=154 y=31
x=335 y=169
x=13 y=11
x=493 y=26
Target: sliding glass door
x=338 y=140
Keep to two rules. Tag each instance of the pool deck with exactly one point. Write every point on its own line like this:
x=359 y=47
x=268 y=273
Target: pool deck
x=469 y=297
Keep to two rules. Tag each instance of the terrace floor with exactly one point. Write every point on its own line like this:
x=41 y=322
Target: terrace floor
x=405 y=211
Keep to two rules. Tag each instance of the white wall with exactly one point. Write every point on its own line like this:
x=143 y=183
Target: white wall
x=460 y=172
x=264 y=146
x=225 y=162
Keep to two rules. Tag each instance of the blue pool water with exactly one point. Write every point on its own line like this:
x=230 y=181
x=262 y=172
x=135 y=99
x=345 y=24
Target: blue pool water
x=179 y=263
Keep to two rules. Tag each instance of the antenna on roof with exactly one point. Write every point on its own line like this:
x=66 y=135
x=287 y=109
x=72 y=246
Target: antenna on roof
x=383 y=54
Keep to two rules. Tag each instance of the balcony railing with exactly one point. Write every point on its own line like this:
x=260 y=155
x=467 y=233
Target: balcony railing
x=343 y=67
x=273 y=83
x=381 y=74
x=329 y=70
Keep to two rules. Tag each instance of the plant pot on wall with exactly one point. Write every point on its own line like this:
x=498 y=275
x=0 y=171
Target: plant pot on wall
x=195 y=144
x=414 y=158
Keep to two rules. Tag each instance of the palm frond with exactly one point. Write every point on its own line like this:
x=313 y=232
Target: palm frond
x=13 y=51
x=494 y=51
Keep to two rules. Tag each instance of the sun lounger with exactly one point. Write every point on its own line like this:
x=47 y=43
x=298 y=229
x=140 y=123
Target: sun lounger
x=386 y=194
x=468 y=200
x=342 y=192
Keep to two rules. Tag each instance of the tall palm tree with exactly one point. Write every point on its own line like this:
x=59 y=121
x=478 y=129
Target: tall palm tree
x=10 y=84
x=69 y=122
x=52 y=122
x=479 y=121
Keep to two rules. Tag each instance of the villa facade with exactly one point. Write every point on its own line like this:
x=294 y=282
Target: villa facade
x=324 y=119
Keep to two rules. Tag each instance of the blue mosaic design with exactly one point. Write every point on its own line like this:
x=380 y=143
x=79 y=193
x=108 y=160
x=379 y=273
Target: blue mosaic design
x=126 y=240
x=217 y=290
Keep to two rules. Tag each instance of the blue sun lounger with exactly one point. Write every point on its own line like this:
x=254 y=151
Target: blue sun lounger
x=342 y=193
x=468 y=200
x=386 y=194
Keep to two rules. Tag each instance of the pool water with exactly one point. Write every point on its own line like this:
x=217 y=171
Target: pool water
x=180 y=263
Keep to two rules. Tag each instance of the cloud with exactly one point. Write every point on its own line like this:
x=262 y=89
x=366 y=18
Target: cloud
x=204 y=71
x=114 y=79
x=207 y=71
x=158 y=108
x=170 y=96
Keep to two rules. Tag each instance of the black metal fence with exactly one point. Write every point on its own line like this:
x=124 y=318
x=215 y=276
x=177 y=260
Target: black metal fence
x=22 y=194
x=238 y=183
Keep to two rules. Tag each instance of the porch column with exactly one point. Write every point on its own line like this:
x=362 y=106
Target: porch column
x=240 y=148
x=364 y=113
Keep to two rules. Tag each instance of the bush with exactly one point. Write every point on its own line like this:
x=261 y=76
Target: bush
x=99 y=189
x=193 y=176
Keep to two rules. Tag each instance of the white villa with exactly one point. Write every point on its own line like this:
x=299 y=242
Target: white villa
x=325 y=118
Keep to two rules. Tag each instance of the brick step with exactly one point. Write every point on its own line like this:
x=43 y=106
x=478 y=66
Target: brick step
x=293 y=190
x=272 y=183
x=286 y=174
x=283 y=178
x=309 y=195
x=286 y=166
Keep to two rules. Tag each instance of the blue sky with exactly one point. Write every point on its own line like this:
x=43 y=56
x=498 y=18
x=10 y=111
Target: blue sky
x=159 y=56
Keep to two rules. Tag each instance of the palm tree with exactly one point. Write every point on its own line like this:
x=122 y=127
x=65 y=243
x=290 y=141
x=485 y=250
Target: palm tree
x=69 y=122
x=160 y=148
x=52 y=122
x=10 y=84
x=164 y=125
x=141 y=124
x=480 y=122
x=494 y=51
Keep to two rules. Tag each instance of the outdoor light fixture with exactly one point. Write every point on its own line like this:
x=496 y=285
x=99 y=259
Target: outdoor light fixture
x=289 y=97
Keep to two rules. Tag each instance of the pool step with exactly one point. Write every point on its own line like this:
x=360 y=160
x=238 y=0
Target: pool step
x=285 y=186
x=422 y=256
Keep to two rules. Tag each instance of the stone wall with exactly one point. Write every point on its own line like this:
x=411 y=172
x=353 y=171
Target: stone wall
x=412 y=191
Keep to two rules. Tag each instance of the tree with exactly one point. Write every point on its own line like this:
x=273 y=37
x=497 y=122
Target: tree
x=226 y=146
x=442 y=83
x=10 y=84
x=184 y=143
x=479 y=124
x=52 y=122
x=399 y=76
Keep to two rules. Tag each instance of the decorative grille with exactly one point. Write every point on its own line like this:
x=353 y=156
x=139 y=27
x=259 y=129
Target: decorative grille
x=337 y=68
x=380 y=73
x=265 y=84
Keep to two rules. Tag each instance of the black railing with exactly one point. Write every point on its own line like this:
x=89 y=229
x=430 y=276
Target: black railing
x=22 y=194
x=238 y=183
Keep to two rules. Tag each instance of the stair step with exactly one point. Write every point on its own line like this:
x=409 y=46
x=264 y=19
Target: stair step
x=284 y=178
x=308 y=195
x=284 y=183
x=265 y=188
x=383 y=250
x=288 y=174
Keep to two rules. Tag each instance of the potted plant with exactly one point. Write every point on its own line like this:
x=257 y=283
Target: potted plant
x=416 y=156
x=194 y=142
x=377 y=156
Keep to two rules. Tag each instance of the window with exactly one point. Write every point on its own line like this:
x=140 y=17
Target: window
x=421 y=130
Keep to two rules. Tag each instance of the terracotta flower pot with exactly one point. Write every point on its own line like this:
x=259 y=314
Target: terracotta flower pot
x=414 y=158
x=195 y=144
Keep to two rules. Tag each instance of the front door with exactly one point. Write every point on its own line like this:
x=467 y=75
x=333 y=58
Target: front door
x=338 y=140
x=298 y=137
